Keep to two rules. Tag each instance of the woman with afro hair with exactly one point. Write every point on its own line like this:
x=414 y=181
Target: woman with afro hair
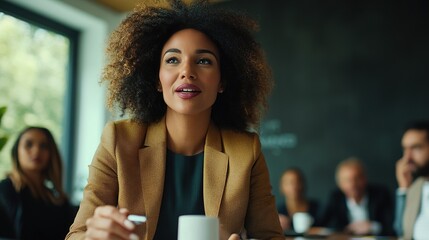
x=194 y=83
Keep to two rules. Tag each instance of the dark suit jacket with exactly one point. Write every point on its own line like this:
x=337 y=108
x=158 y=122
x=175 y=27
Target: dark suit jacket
x=380 y=206
x=128 y=171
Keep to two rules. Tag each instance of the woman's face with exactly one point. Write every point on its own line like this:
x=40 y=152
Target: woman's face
x=33 y=151
x=189 y=73
x=291 y=185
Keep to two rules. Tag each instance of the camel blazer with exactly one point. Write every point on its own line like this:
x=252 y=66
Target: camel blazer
x=412 y=207
x=128 y=171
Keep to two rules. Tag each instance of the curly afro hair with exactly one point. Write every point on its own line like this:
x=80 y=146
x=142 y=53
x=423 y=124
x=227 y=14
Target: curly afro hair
x=134 y=53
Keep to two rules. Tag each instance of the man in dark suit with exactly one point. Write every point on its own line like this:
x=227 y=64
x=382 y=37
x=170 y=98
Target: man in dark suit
x=412 y=174
x=357 y=207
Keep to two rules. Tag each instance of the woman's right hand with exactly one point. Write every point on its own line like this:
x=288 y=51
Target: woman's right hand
x=109 y=222
x=284 y=222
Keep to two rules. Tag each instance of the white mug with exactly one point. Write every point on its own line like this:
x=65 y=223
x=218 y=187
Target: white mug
x=197 y=227
x=302 y=221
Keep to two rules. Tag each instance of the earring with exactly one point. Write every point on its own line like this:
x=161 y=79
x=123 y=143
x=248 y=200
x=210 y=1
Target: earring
x=220 y=91
x=158 y=86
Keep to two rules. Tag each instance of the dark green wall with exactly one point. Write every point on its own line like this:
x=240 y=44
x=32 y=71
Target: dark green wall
x=349 y=75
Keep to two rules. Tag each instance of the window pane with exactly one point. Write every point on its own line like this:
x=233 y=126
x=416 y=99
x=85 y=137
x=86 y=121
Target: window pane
x=34 y=66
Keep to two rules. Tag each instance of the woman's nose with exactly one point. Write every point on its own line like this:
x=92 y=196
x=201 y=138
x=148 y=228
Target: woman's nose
x=35 y=151
x=188 y=71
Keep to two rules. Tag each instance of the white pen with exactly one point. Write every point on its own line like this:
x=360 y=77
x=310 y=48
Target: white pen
x=137 y=219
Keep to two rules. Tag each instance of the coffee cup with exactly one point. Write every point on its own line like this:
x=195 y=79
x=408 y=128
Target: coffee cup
x=197 y=227
x=302 y=221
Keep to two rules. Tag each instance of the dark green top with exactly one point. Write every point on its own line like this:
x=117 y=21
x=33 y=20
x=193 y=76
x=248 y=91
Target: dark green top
x=183 y=192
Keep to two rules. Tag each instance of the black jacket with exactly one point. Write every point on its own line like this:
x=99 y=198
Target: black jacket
x=24 y=217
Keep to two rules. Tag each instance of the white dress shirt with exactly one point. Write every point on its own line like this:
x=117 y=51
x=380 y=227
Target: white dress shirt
x=421 y=227
x=358 y=212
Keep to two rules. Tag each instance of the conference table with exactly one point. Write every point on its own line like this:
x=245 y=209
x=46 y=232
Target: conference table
x=338 y=237
x=322 y=233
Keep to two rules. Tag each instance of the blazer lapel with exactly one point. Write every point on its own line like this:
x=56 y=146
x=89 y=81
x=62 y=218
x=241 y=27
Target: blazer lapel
x=372 y=204
x=215 y=171
x=343 y=218
x=412 y=207
x=152 y=173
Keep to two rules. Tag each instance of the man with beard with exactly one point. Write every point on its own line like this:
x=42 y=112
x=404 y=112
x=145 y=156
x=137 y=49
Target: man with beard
x=412 y=174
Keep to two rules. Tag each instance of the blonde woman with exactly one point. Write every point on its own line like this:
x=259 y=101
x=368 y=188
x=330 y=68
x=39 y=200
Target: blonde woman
x=33 y=204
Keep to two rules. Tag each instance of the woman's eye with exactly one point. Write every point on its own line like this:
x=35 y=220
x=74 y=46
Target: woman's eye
x=44 y=146
x=172 y=60
x=28 y=144
x=204 y=61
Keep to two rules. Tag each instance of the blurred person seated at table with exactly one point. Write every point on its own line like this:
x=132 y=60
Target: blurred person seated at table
x=412 y=174
x=293 y=188
x=357 y=207
x=33 y=204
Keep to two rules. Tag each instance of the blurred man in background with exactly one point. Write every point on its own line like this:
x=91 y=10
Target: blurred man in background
x=412 y=174
x=356 y=207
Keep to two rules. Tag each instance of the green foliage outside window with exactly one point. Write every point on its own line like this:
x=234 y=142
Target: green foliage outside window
x=33 y=73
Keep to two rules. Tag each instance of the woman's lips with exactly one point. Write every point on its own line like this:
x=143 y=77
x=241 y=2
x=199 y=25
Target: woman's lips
x=187 y=91
x=36 y=160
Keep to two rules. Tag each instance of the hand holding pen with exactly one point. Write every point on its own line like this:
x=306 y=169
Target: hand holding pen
x=109 y=222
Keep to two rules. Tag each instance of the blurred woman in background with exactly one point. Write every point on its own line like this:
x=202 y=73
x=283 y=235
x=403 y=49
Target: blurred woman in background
x=33 y=204
x=292 y=187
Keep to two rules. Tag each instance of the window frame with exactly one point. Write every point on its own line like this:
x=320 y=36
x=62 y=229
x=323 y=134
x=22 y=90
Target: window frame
x=69 y=123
